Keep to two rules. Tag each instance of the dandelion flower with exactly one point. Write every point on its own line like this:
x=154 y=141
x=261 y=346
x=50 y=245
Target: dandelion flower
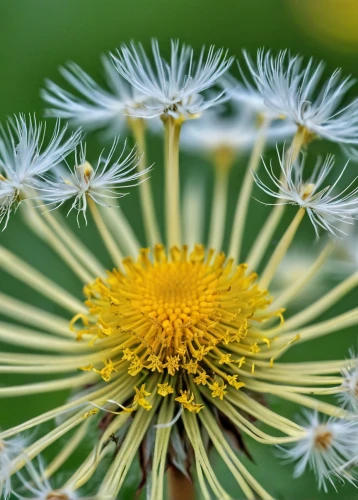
x=171 y=347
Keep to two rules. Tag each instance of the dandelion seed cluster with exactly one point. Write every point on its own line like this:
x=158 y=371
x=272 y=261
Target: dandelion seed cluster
x=180 y=342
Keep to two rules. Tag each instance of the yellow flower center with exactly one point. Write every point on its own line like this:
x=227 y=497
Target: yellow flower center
x=177 y=313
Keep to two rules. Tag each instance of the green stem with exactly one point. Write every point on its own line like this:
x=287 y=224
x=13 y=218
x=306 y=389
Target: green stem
x=219 y=204
x=243 y=201
x=172 y=184
x=145 y=189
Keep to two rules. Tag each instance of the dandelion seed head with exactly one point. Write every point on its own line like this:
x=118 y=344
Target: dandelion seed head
x=22 y=155
x=244 y=94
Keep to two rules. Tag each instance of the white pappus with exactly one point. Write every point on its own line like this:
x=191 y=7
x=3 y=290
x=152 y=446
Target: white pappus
x=328 y=448
x=94 y=107
x=324 y=208
x=23 y=159
x=100 y=184
x=173 y=88
x=9 y=449
x=296 y=91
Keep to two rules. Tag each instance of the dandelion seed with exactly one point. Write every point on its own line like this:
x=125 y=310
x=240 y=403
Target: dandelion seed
x=173 y=88
x=244 y=94
x=23 y=159
x=348 y=398
x=9 y=449
x=102 y=184
x=327 y=448
x=325 y=208
x=215 y=132
x=295 y=90
x=38 y=487
x=95 y=107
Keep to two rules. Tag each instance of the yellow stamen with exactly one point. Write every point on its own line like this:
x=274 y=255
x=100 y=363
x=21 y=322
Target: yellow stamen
x=188 y=402
x=218 y=390
x=165 y=389
x=232 y=379
x=86 y=368
x=140 y=397
x=91 y=412
x=106 y=372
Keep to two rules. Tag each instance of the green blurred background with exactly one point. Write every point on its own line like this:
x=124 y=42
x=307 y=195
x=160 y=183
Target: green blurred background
x=36 y=36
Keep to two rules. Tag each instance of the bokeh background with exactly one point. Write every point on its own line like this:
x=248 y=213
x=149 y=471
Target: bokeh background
x=36 y=36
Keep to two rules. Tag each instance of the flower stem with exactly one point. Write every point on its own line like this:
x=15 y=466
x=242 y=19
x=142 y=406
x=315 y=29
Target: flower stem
x=22 y=271
x=299 y=139
x=107 y=237
x=281 y=249
x=145 y=190
x=121 y=229
x=223 y=162
x=31 y=315
x=287 y=294
x=57 y=243
x=172 y=184
x=179 y=485
x=79 y=250
x=245 y=195
x=323 y=304
x=67 y=450
x=264 y=237
x=193 y=212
